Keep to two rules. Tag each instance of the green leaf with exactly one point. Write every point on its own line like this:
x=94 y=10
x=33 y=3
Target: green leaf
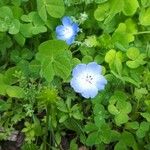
x=100 y=1
x=131 y=26
x=91 y=41
x=15 y=91
x=121 y=118
x=120 y=146
x=130 y=7
x=129 y=140
x=144 y=17
x=73 y=145
x=20 y=39
x=26 y=29
x=6 y=13
x=132 y=125
x=42 y=10
x=63 y=118
x=110 y=56
x=55 y=8
x=122 y=36
x=101 y=12
x=62 y=106
x=55 y=59
x=38 y=29
x=62 y=65
x=130 y=80
x=4 y=106
x=14 y=27
x=90 y=127
x=86 y=59
x=37 y=126
x=115 y=7
x=145 y=3
x=132 y=64
x=144 y=127
x=93 y=139
x=146 y=115
x=3 y=26
x=47 y=70
x=118 y=62
x=133 y=53
x=139 y=93
x=3 y=85
x=112 y=109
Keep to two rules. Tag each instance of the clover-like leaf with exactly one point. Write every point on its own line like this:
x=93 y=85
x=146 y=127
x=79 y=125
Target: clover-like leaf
x=119 y=107
x=133 y=53
x=55 y=59
x=130 y=7
x=122 y=35
x=144 y=17
x=101 y=12
x=55 y=8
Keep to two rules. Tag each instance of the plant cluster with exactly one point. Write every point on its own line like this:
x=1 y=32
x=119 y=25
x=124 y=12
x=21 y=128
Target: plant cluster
x=75 y=74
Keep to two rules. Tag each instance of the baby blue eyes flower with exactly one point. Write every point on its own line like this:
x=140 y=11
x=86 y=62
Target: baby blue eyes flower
x=67 y=31
x=87 y=79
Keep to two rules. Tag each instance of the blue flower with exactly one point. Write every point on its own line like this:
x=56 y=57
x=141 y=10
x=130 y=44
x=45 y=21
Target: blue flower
x=87 y=79
x=67 y=31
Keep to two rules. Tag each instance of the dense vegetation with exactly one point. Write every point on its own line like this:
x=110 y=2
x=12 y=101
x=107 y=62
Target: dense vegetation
x=39 y=109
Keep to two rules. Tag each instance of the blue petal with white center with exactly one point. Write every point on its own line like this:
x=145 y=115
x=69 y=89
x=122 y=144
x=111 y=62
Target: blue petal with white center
x=87 y=79
x=67 y=31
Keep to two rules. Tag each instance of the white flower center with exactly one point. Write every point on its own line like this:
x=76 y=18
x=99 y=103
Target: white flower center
x=68 y=32
x=87 y=80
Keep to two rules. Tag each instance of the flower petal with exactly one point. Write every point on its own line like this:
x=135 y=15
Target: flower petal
x=78 y=70
x=90 y=92
x=76 y=85
x=75 y=28
x=66 y=21
x=94 y=68
x=101 y=83
x=61 y=37
x=70 y=40
x=59 y=30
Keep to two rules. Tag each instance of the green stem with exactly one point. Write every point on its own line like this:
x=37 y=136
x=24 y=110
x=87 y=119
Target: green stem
x=47 y=124
x=142 y=32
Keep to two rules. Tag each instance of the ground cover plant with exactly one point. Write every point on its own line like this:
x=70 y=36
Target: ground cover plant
x=75 y=74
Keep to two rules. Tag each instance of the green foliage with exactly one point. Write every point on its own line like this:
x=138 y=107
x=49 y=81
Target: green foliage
x=55 y=59
x=119 y=107
x=36 y=68
x=54 y=8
